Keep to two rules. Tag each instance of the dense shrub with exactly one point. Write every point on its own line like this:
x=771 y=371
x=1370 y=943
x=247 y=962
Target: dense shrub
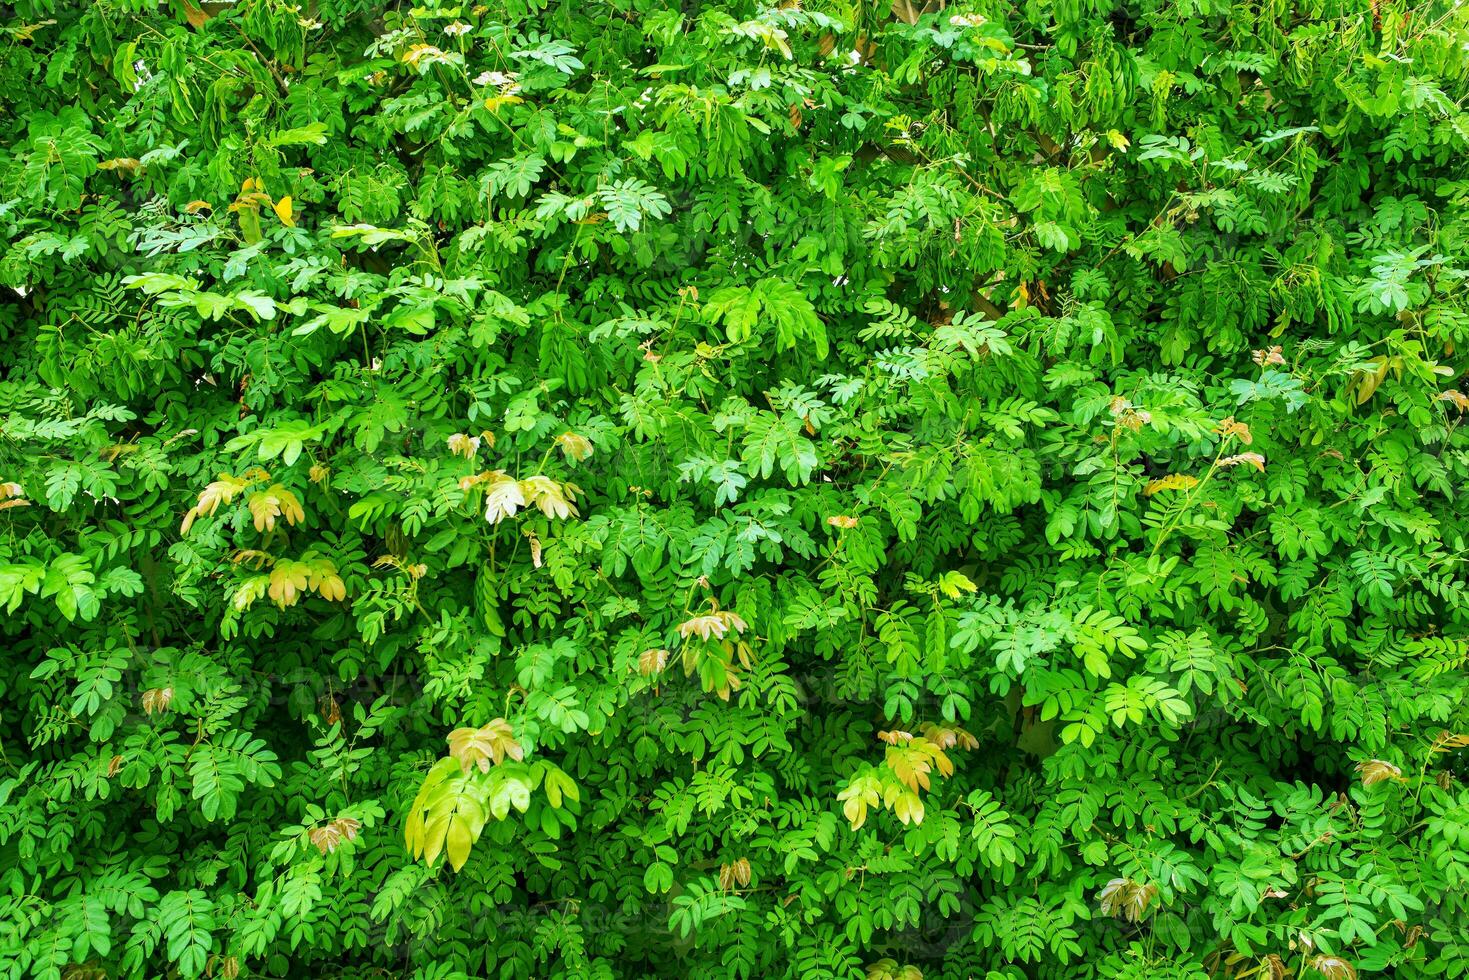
x=597 y=489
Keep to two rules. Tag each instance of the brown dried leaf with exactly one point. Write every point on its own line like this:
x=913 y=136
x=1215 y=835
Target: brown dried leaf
x=1459 y=399
x=1378 y=771
x=326 y=838
x=195 y=15
x=1333 y=967
x=157 y=700
x=1127 y=899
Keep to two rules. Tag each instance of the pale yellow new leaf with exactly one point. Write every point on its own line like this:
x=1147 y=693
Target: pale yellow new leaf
x=504 y=497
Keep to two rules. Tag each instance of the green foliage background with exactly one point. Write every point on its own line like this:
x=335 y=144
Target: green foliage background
x=612 y=489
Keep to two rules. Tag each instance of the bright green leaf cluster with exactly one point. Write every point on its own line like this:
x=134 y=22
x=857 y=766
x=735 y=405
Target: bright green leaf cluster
x=734 y=489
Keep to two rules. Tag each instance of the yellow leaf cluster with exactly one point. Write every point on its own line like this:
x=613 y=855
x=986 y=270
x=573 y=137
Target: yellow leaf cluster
x=1448 y=742
x=503 y=497
x=288 y=582
x=955 y=584
x=1368 y=381
x=715 y=665
x=489 y=744
x=249 y=203
x=419 y=52
x=888 y=968
x=24 y=32
x=11 y=495
x=905 y=804
x=249 y=591
x=414 y=570
x=551 y=498
x=251 y=197
x=221 y=491
x=497 y=102
x=858 y=797
x=652 y=662
x=907 y=769
x=446 y=817
x=1128 y=415
x=275 y=502
x=288 y=579
x=874 y=788
x=272 y=503
x=948 y=736
x=575 y=447
x=1173 y=481
x=1229 y=428
x=914 y=761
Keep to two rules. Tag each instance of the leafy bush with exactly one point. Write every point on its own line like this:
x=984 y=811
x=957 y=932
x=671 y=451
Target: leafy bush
x=606 y=488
